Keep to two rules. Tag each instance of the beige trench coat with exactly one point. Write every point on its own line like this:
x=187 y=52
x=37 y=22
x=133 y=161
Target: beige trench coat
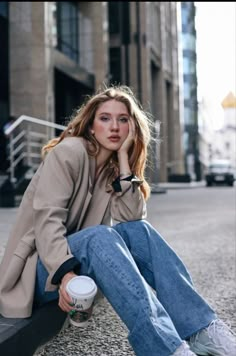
x=60 y=199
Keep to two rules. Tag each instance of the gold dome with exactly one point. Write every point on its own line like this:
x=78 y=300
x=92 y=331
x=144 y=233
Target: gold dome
x=229 y=101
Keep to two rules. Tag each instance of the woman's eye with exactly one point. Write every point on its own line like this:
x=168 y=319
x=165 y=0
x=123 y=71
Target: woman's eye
x=105 y=118
x=123 y=119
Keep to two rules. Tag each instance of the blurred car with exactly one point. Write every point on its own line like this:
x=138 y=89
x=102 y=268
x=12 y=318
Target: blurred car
x=220 y=172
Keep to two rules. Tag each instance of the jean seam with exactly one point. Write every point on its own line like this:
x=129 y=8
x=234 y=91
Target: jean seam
x=173 y=344
x=148 y=266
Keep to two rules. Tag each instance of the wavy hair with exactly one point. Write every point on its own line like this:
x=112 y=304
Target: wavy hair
x=81 y=122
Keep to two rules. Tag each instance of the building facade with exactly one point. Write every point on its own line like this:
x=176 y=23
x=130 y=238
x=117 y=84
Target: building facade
x=224 y=145
x=4 y=81
x=57 y=56
x=190 y=107
x=218 y=143
x=60 y=52
x=144 y=54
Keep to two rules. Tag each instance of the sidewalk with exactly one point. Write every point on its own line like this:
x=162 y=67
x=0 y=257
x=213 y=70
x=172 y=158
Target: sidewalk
x=193 y=223
x=162 y=187
x=8 y=215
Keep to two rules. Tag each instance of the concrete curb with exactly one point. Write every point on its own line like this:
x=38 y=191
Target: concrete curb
x=162 y=187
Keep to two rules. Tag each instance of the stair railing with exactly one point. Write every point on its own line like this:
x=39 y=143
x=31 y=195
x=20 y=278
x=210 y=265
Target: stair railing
x=26 y=137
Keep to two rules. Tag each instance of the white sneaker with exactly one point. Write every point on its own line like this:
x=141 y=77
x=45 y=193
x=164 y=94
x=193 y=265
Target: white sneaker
x=217 y=339
x=183 y=350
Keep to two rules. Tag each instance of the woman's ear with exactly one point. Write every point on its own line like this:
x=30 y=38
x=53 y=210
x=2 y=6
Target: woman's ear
x=92 y=132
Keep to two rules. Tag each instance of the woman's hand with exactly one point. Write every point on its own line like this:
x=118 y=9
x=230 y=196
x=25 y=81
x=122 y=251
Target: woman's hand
x=65 y=302
x=129 y=139
x=122 y=153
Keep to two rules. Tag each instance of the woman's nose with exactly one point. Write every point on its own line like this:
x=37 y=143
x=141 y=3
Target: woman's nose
x=114 y=125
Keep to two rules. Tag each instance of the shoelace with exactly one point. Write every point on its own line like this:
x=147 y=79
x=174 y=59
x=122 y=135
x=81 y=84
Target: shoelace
x=216 y=325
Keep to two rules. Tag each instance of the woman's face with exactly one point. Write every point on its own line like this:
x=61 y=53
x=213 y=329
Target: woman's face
x=111 y=125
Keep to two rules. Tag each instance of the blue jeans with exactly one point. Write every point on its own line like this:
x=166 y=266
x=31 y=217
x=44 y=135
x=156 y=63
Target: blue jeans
x=125 y=261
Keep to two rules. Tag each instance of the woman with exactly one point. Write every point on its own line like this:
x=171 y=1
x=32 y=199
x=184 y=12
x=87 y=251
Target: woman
x=83 y=213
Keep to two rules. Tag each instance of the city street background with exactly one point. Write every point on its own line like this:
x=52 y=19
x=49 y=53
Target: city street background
x=199 y=224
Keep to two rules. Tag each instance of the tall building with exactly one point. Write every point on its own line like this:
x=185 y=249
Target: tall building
x=143 y=44
x=57 y=56
x=218 y=143
x=60 y=52
x=190 y=122
x=224 y=145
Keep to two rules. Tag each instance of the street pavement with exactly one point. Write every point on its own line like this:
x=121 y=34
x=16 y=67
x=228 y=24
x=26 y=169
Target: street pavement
x=200 y=225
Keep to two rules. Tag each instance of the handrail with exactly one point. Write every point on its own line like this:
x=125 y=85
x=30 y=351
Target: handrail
x=33 y=120
x=28 y=136
x=18 y=137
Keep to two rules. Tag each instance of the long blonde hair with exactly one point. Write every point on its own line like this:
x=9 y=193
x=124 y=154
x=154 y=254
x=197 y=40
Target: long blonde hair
x=80 y=125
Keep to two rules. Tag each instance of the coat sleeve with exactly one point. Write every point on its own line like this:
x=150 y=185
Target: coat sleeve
x=128 y=203
x=50 y=206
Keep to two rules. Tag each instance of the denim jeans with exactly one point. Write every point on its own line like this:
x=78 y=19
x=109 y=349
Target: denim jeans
x=145 y=281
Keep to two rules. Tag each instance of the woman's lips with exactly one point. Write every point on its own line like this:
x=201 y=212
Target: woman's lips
x=114 y=138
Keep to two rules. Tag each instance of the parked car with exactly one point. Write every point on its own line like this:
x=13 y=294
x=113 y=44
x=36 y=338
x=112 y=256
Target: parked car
x=220 y=172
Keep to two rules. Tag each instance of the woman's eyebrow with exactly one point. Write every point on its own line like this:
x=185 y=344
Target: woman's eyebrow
x=104 y=113
x=119 y=114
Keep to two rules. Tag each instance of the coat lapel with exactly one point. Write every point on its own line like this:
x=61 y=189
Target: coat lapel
x=98 y=204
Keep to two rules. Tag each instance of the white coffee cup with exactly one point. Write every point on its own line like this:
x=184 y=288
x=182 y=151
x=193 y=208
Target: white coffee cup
x=82 y=290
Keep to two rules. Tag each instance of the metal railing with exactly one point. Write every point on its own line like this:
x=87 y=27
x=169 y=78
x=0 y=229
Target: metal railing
x=26 y=137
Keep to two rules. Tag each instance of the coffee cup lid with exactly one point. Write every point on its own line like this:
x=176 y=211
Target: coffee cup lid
x=81 y=287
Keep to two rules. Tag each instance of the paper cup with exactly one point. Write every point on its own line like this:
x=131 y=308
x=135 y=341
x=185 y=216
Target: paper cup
x=82 y=290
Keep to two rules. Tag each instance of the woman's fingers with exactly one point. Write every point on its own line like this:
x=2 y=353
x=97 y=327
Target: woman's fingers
x=65 y=303
x=130 y=137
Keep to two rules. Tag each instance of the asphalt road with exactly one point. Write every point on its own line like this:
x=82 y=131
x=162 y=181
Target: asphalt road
x=200 y=225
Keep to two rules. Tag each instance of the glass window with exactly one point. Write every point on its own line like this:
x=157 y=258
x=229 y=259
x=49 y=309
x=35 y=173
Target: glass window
x=189 y=66
x=4 y=8
x=114 y=16
x=189 y=41
x=184 y=14
x=187 y=90
x=189 y=115
x=186 y=141
x=154 y=25
x=115 y=65
x=67 y=29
